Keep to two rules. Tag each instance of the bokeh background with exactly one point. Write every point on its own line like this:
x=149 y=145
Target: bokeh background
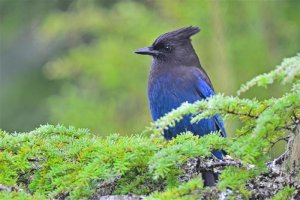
x=71 y=61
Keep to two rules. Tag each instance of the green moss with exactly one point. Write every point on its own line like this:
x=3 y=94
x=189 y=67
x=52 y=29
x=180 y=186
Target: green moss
x=187 y=191
x=19 y=195
x=284 y=194
x=54 y=161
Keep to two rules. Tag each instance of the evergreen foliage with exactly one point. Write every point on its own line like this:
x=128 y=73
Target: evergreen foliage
x=60 y=162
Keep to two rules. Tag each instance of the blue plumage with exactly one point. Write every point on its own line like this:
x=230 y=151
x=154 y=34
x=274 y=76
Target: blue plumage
x=181 y=84
x=176 y=76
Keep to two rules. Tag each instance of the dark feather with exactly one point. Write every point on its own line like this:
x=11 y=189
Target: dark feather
x=179 y=34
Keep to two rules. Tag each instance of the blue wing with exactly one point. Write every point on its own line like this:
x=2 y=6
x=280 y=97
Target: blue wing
x=205 y=90
x=171 y=90
x=191 y=87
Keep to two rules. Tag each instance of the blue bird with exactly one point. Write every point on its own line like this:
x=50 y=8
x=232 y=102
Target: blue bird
x=176 y=76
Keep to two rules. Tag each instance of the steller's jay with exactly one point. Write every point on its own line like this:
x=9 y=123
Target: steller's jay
x=176 y=76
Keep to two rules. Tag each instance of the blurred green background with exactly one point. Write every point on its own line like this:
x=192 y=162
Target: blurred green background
x=71 y=61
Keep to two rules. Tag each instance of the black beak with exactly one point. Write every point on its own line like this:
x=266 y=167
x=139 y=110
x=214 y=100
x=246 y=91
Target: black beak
x=147 y=51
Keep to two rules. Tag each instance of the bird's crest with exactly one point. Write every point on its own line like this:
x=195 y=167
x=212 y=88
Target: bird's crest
x=179 y=34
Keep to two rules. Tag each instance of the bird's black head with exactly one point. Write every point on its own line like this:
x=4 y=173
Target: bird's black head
x=174 y=45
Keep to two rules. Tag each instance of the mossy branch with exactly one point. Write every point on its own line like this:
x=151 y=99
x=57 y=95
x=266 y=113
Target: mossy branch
x=65 y=162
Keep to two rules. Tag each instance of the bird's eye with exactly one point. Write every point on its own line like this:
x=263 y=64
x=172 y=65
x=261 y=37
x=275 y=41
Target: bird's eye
x=167 y=48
